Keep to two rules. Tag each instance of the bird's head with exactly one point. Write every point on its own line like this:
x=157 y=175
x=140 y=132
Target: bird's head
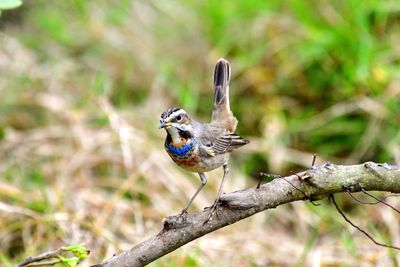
x=175 y=119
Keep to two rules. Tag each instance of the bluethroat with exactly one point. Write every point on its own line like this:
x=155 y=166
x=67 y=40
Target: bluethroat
x=200 y=147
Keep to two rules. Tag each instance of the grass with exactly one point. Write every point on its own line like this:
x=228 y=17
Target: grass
x=83 y=85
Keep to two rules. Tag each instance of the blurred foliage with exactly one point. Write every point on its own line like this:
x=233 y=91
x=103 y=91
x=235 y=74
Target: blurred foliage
x=9 y=4
x=308 y=77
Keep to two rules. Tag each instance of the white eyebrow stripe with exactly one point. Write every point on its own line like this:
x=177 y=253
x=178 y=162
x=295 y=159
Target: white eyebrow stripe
x=176 y=113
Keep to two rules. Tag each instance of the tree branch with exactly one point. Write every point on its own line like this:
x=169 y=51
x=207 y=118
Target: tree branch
x=58 y=256
x=313 y=184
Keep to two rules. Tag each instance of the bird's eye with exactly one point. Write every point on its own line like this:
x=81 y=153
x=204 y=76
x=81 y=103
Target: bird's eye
x=179 y=117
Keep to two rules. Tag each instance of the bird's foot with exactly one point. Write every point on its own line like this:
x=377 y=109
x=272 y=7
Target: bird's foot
x=213 y=209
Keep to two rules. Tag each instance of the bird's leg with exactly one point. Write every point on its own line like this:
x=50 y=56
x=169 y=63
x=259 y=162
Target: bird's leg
x=203 y=179
x=215 y=206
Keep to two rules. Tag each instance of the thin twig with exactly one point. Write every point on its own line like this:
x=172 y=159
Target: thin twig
x=370 y=203
x=379 y=200
x=357 y=227
x=313 y=161
x=47 y=255
x=259 y=180
x=49 y=262
x=361 y=201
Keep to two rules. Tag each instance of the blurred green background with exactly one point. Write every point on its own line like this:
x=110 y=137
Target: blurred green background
x=82 y=86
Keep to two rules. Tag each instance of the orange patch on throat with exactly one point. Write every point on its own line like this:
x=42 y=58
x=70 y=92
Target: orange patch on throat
x=181 y=143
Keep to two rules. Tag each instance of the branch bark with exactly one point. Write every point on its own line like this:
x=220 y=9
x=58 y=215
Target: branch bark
x=313 y=184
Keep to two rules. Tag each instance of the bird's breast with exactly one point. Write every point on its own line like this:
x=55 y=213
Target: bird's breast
x=182 y=150
x=185 y=155
x=188 y=156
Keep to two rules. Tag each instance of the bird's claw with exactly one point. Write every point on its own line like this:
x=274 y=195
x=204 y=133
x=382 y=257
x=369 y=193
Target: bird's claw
x=213 y=209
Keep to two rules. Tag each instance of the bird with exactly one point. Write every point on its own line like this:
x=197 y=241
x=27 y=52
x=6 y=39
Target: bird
x=202 y=147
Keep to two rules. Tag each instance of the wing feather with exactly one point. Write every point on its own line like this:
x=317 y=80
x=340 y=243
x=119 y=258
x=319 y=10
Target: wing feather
x=227 y=143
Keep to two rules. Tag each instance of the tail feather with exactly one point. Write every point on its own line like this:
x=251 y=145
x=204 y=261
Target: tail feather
x=222 y=114
x=222 y=75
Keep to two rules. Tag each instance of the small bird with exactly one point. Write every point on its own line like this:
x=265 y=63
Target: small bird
x=199 y=147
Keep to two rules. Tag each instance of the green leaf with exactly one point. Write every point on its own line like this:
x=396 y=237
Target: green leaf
x=79 y=250
x=70 y=262
x=10 y=4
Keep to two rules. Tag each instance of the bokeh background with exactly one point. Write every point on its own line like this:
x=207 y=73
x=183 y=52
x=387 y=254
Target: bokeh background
x=82 y=86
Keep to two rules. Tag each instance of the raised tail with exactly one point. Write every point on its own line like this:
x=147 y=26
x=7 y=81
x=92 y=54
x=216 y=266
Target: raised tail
x=222 y=114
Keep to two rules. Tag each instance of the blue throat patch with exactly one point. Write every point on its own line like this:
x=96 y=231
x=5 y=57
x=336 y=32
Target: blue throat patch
x=180 y=151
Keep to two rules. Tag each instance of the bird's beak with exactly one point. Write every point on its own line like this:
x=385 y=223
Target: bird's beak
x=164 y=124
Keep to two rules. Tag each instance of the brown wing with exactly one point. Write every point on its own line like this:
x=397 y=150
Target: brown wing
x=227 y=143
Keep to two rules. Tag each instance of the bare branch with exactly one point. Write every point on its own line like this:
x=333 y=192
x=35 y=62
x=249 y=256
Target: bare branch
x=358 y=228
x=380 y=200
x=315 y=183
x=58 y=256
x=371 y=203
x=32 y=261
